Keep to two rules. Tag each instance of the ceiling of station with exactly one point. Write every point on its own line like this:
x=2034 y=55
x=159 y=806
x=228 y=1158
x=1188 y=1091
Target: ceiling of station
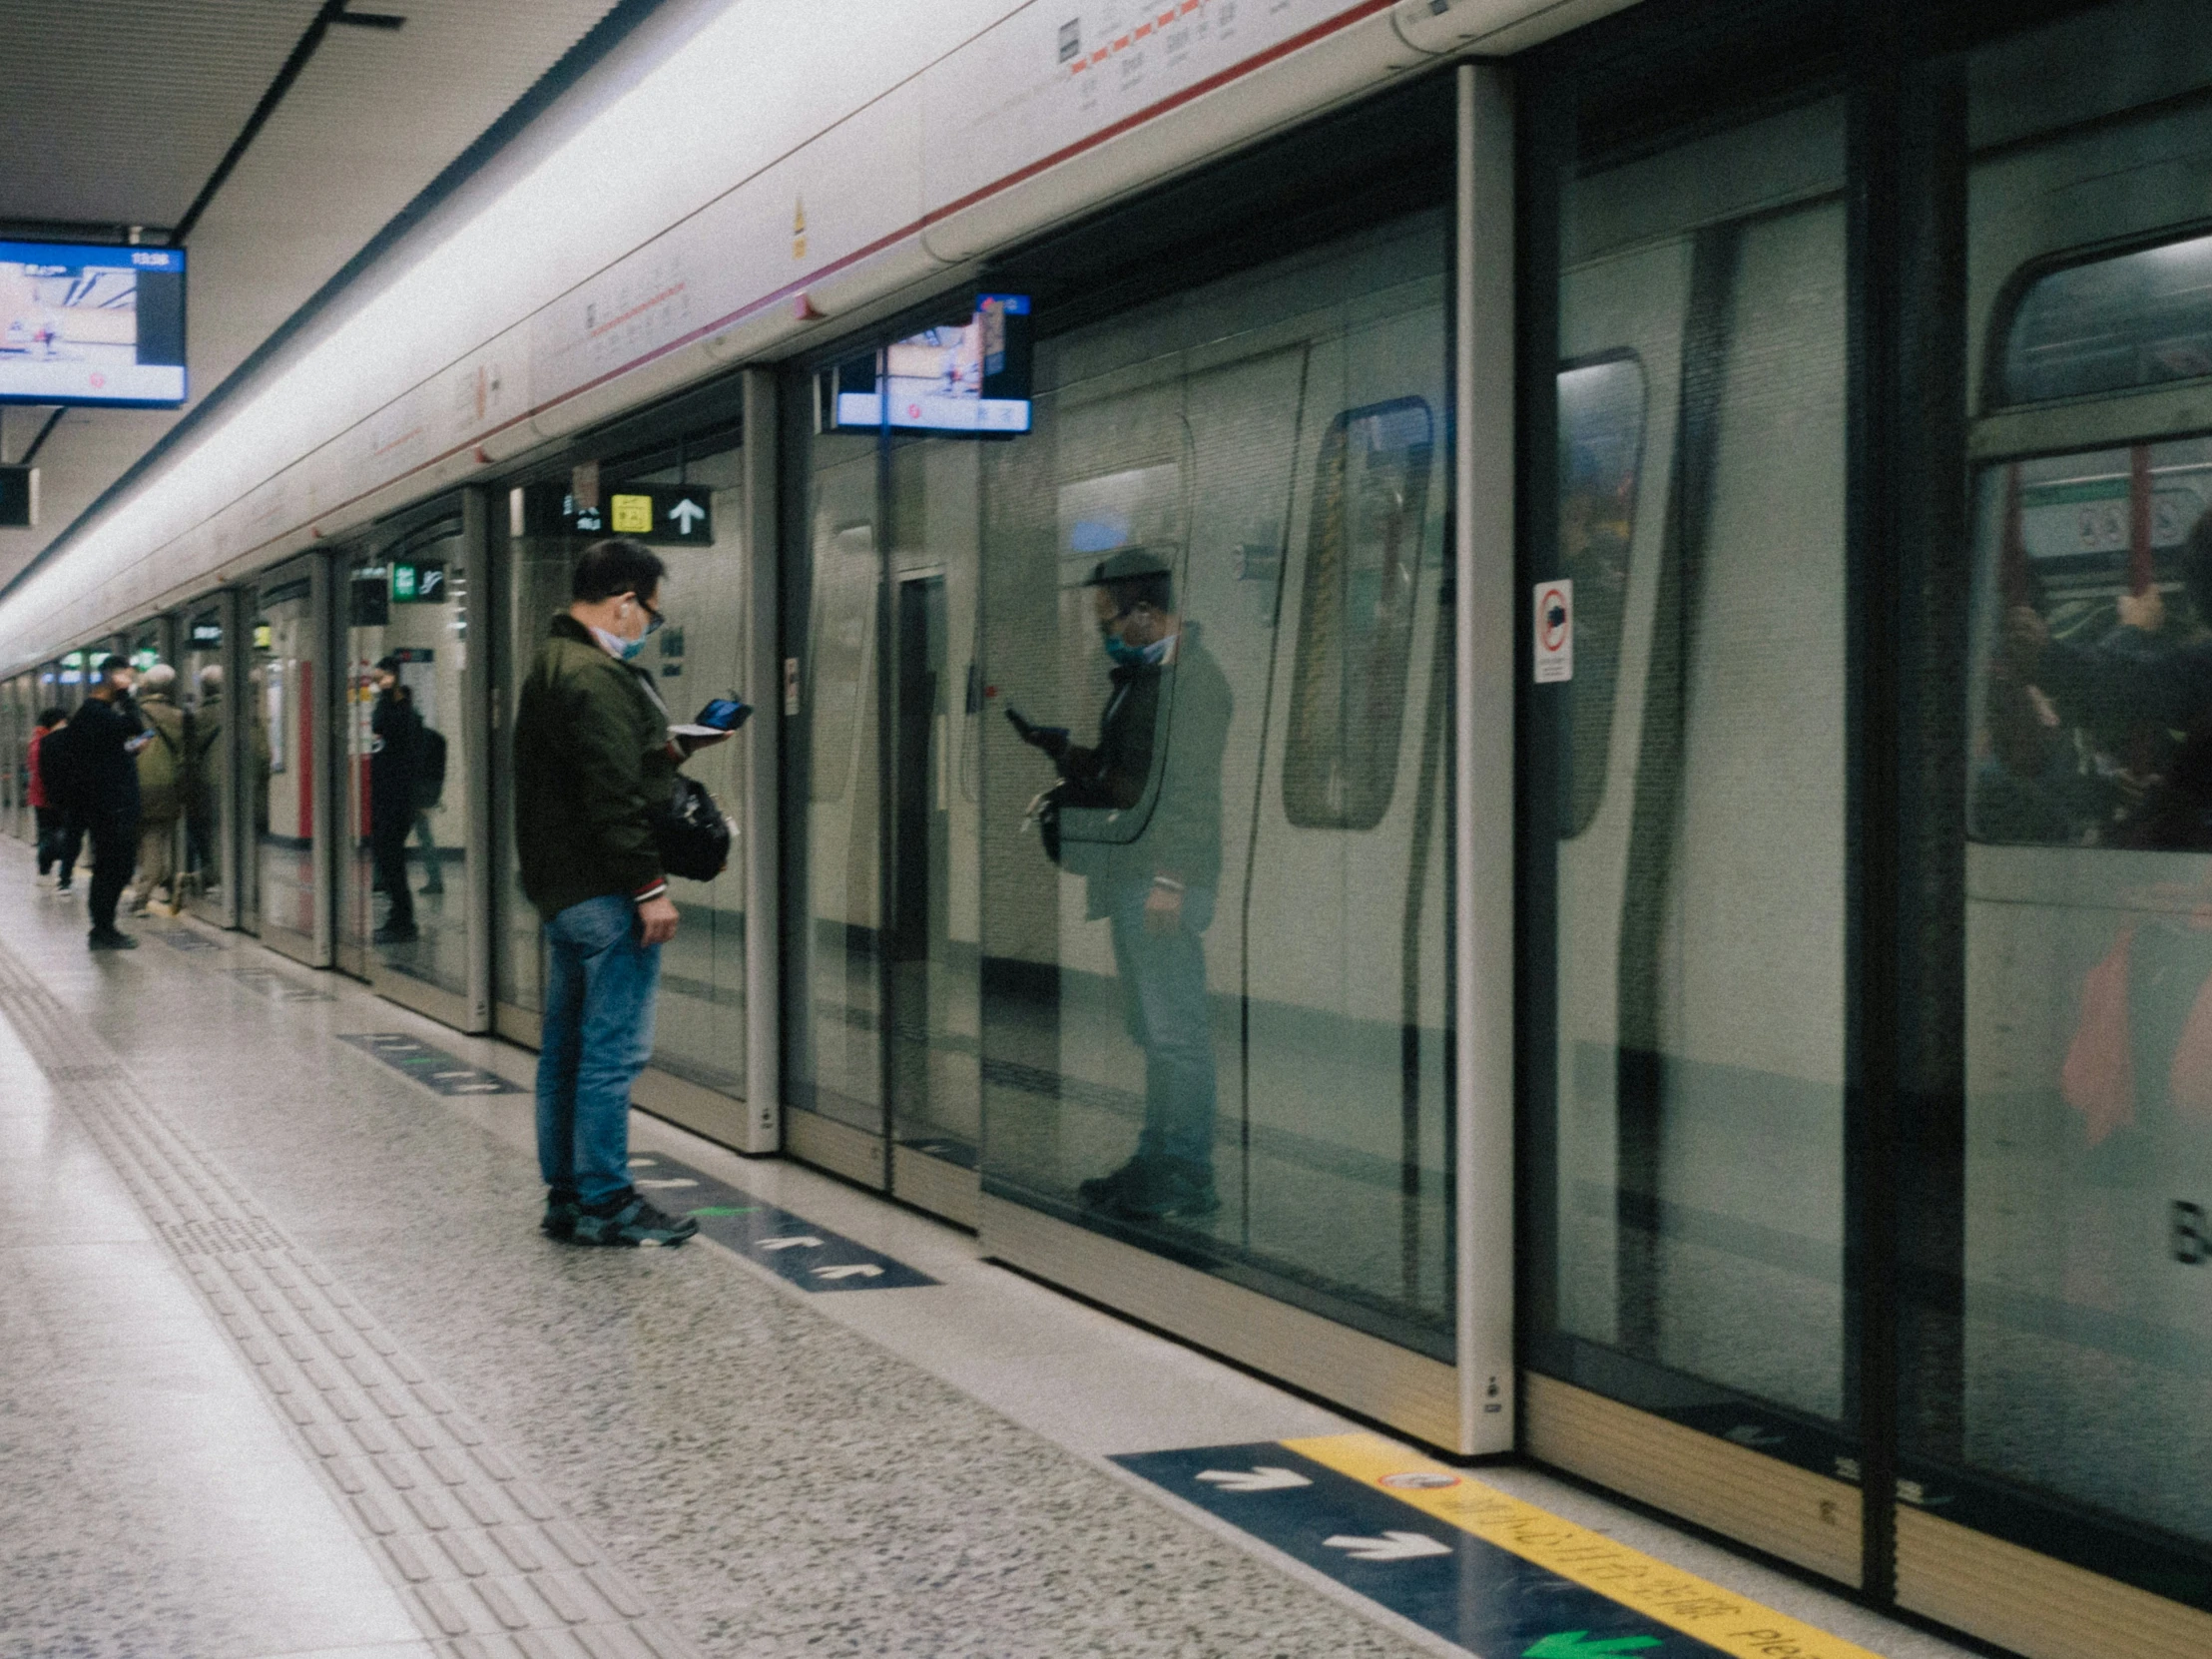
x=123 y=109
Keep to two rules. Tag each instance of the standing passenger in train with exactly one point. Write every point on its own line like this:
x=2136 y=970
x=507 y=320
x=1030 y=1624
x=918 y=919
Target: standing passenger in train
x=164 y=782
x=104 y=737
x=394 y=756
x=1160 y=739
x=2134 y=691
x=594 y=766
x=46 y=810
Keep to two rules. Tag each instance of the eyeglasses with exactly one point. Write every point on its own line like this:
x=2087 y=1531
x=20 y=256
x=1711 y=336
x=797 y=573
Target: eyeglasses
x=654 y=621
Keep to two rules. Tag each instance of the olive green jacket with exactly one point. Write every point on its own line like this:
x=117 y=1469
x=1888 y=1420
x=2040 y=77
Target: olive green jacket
x=592 y=770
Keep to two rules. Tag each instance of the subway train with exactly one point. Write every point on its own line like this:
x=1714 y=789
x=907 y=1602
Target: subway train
x=1698 y=535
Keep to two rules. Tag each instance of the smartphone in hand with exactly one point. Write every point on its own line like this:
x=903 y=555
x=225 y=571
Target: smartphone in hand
x=1053 y=740
x=720 y=717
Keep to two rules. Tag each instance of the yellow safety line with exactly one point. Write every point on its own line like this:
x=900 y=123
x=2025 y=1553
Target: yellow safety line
x=1720 y=1618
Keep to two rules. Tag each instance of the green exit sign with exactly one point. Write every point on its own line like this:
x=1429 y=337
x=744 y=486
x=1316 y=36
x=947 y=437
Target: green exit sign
x=418 y=584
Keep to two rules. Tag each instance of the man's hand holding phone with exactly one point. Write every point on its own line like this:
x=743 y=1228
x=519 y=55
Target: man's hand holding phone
x=1053 y=740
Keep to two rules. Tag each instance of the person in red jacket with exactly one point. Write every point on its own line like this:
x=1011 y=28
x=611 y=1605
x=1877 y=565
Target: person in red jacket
x=45 y=807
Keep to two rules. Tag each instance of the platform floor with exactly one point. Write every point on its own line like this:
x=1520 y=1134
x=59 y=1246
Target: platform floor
x=285 y=1368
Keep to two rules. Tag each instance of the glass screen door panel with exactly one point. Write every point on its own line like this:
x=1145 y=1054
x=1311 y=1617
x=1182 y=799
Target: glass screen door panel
x=406 y=863
x=699 y=1029
x=534 y=567
x=2066 y=1323
x=932 y=945
x=1217 y=1029
x=285 y=714
x=1693 y=1249
x=834 y=980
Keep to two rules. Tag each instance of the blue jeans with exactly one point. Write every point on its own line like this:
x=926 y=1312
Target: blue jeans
x=1165 y=1004
x=599 y=990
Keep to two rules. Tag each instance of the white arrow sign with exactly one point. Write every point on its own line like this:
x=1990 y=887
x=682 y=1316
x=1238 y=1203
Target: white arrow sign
x=800 y=1240
x=1391 y=1546
x=851 y=1270
x=1260 y=1479
x=685 y=513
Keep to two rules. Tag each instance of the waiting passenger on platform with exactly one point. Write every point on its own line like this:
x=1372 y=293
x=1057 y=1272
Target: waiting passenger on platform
x=594 y=767
x=1168 y=714
x=46 y=810
x=164 y=768
x=103 y=740
x=395 y=763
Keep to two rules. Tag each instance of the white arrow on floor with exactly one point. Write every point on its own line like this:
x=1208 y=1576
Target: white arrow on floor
x=657 y=1184
x=851 y=1270
x=797 y=1241
x=1391 y=1546
x=1260 y=1479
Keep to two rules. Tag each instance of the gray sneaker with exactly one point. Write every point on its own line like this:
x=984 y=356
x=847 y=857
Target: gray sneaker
x=628 y=1222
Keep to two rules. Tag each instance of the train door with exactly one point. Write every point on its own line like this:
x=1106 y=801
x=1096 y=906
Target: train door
x=410 y=918
x=882 y=770
x=288 y=702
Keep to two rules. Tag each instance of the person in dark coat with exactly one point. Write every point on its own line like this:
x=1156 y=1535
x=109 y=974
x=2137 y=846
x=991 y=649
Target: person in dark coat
x=395 y=763
x=1141 y=818
x=101 y=741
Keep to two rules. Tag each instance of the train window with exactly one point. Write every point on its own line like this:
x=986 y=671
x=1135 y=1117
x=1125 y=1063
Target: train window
x=1601 y=448
x=2141 y=319
x=2095 y=722
x=1356 y=626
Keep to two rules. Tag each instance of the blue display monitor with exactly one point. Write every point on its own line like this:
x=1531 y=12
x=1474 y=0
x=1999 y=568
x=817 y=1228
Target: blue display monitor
x=964 y=377
x=91 y=324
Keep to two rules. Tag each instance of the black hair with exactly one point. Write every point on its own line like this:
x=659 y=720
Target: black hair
x=52 y=716
x=614 y=566
x=389 y=665
x=108 y=667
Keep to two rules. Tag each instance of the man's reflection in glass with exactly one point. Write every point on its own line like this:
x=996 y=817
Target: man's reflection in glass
x=1159 y=753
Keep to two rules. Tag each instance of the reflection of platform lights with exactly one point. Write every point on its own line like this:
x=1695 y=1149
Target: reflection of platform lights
x=935 y=413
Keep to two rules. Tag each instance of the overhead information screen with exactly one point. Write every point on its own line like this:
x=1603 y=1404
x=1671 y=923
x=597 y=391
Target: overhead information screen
x=90 y=324
x=967 y=377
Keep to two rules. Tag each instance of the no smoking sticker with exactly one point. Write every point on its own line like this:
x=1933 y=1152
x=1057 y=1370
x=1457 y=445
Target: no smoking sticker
x=1555 y=632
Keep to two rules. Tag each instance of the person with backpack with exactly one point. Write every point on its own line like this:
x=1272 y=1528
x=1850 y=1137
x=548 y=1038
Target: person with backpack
x=595 y=765
x=165 y=784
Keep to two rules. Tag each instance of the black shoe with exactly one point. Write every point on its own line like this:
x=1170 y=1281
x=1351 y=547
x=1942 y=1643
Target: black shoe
x=110 y=939
x=1104 y=1192
x=629 y=1222
x=1170 y=1190
x=405 y=933
x=561 y=1211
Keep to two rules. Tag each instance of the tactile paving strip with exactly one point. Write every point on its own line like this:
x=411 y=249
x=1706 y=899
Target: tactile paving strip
x=490 y=1565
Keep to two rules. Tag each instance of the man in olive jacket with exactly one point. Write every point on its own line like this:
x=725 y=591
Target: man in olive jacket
x=593 y=765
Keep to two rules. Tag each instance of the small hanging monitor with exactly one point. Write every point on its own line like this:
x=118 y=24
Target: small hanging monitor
x=91 y=324
x=970 y=377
